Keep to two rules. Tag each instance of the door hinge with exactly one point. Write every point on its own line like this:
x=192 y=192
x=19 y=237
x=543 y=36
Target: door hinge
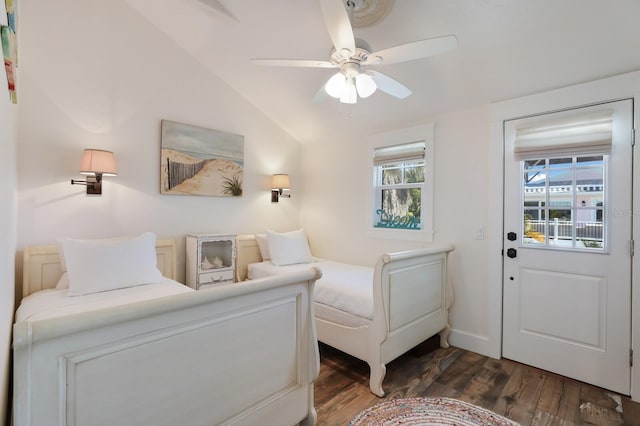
x=632 y=247
x=633 y=137
x=630 y=357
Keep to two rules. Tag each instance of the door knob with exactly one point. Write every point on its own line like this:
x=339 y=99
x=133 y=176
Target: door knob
x=511 y=253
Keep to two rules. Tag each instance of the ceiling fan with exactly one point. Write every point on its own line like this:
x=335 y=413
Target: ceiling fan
x=353 y=57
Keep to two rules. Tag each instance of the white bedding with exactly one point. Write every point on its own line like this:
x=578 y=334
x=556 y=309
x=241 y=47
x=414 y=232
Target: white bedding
x=345 y=287
x=55 y=303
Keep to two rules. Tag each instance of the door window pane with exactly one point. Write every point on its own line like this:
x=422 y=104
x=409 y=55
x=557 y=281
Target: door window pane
x=597 y=160
x=534 y=164
x=555 y=163
x=534 y=232
x=589 y=179
x=563 y=203
x=560 y=228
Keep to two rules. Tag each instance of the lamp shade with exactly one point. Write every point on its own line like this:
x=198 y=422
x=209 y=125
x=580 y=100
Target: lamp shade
x=98 y=161
x=365 y=85
x=280 y=181
x=349 y=96
x=335 y=85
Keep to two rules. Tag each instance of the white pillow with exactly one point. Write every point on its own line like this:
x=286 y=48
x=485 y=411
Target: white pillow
x=289 y=248
x=63 y=282
x=63 y=262
x=101 y=265
x=263 y=246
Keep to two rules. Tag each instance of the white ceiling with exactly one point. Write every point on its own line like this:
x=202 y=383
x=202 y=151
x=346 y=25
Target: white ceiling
x=507 y=49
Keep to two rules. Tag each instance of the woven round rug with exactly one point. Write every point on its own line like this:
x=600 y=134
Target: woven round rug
x=428 y=411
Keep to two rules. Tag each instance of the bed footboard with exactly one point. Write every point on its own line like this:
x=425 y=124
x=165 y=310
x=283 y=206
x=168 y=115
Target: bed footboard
x=411 y=298
x=411 y=304
x=239 y=354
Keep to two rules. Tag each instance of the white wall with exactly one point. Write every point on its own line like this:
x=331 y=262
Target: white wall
x=97 y=74
x=8 y=144
x=336 y=210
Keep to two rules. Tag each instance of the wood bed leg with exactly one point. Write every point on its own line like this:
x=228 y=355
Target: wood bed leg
x=444 y=336
x=311 y=419
x=377 y=376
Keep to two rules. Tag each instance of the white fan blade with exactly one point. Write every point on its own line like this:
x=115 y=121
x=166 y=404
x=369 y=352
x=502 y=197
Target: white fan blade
x=219 y=7
x=411 y=51
x=337 y=21
x=304 y=63
x=389 y=85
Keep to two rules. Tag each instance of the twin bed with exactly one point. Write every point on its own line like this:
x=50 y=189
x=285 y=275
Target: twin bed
x=155 y=352
x=374 y=314
x=161 y=353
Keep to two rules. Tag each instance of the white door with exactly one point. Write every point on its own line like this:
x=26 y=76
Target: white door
x=567 y=243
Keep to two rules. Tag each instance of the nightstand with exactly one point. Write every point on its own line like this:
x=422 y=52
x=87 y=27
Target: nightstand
x=211 y=260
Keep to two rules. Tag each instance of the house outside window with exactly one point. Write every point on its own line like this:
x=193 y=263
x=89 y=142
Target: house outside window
x=402 y=196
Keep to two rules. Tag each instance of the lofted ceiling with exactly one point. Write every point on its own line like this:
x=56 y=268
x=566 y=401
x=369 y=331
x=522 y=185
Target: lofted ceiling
x=506 y=49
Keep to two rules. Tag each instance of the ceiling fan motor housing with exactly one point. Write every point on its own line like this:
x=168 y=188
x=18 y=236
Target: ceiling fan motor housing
x=344 y=56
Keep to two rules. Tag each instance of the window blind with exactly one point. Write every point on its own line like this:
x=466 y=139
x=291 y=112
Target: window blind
x=571 y=135
x=396 y=153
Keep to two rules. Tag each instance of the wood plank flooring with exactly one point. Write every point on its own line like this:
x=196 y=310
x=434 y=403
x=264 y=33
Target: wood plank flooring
x=524 y=394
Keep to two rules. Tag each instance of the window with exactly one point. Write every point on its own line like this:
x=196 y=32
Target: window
x=403 y=184
x=398 y=187
x=574 y=190
x=564 y=164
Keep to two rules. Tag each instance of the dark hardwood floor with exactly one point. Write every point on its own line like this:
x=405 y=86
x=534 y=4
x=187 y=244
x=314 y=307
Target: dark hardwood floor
x=524 y=394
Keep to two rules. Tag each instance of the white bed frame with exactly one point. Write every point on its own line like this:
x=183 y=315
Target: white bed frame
x=411 y=299
x=237 y=354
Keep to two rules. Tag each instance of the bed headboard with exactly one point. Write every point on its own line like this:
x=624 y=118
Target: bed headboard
x=247 y=252
x=42 y=271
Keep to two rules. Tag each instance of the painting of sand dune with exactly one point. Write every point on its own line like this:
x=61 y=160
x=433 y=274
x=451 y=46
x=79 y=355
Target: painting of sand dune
x=200 y=161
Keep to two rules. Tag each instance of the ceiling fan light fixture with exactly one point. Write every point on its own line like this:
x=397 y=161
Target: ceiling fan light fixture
x=365 y=85
x=349 y=95
x=335 y=86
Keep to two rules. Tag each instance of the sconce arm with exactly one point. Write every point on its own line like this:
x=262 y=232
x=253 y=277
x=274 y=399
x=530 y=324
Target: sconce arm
x=93 y=184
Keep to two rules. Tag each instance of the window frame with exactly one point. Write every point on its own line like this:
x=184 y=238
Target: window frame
x=422 y=133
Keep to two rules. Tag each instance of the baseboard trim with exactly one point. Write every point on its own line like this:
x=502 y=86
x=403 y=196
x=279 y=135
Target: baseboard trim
x=470 y=342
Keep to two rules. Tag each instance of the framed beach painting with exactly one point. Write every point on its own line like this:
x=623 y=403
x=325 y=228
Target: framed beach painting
x=9 y=48
x=9 y=52
x=200 y=161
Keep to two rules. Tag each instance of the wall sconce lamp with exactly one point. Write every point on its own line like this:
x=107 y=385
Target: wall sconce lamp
x=279 y=183
x=95 y=164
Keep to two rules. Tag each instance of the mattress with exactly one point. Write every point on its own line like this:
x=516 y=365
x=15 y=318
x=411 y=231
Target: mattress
x=344 y=287
x=336 y=316
x=53 y=303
